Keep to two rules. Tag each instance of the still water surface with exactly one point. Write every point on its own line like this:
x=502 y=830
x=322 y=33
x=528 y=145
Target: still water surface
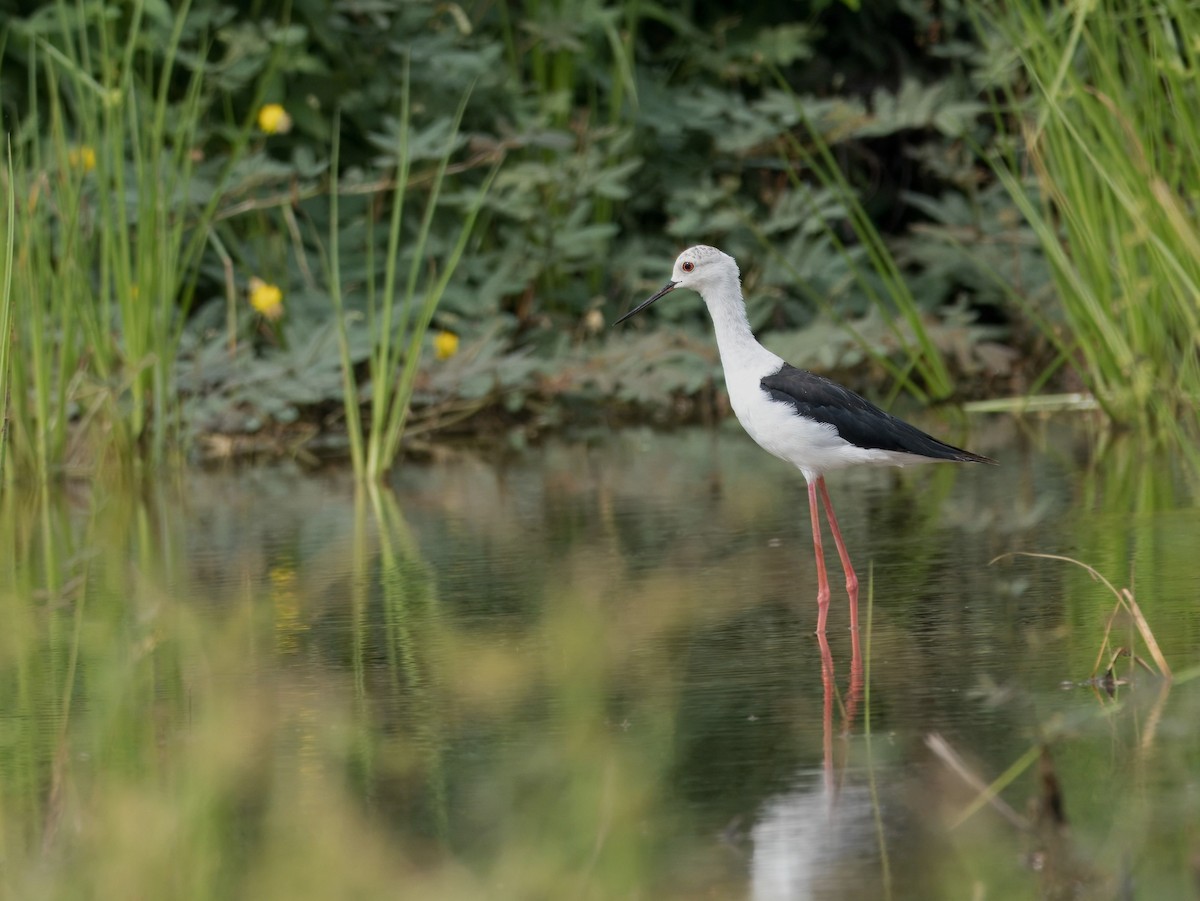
x=588 y=671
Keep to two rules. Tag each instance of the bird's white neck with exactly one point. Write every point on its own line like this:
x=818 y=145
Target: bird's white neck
x=735 y=340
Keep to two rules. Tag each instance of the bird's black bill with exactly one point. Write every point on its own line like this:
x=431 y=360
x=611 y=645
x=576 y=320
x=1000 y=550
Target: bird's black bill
x=667 y=289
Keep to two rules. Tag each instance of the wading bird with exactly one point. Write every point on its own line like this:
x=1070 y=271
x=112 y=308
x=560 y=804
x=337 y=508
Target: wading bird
x=807 y=420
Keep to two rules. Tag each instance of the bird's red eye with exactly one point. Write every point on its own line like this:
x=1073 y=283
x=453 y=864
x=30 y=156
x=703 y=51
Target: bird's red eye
x=688 y=266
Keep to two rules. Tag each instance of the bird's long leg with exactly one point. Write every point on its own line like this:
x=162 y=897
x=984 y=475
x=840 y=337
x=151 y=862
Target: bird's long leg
x=856 y=681
x=823 y=592
x=828 y=684
x=847 y=567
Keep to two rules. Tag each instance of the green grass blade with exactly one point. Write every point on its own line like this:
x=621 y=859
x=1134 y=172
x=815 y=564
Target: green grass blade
x=6 y=334
x=382 y=359
x=349 y=383
x=432 y=297
x=386 y=431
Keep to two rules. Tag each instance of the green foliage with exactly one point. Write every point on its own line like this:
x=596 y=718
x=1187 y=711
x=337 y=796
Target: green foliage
x=627 y=136
x=117 y=211
x=1100 y=95
x=7 y=242
x=627 y=131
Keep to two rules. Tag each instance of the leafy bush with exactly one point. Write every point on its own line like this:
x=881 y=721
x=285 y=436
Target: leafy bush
x=822 y=145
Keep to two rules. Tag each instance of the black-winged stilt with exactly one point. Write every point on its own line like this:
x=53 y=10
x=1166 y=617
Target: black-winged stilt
x=807 y=420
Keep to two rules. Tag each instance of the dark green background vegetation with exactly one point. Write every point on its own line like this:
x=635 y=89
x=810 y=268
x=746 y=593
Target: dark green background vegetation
x=847 y=155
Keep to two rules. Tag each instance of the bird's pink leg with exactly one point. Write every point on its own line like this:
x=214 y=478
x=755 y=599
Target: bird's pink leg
x=856 y=680
x=827 y=683
x=822 y=580
x=847 y=567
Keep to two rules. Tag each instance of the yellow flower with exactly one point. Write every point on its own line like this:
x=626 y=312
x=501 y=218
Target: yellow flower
x=445 y=345
x=266 y=298
x=286 y=598
x=83 y=157
x=274 y=120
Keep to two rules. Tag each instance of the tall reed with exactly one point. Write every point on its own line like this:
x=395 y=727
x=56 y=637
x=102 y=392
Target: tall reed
x=7 y=242
x=1102 y=98
x=113 y=226
x=398 y=315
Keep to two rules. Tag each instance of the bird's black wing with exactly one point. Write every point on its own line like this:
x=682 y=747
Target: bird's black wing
x=856 y=419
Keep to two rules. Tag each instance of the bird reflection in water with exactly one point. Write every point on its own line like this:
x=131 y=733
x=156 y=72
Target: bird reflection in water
x=808 y=842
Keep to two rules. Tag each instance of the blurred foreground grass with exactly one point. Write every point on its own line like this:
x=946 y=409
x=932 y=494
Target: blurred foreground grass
x=281 y=731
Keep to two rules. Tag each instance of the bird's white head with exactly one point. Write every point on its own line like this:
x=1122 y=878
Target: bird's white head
x=699 y=266
x=705 y=270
